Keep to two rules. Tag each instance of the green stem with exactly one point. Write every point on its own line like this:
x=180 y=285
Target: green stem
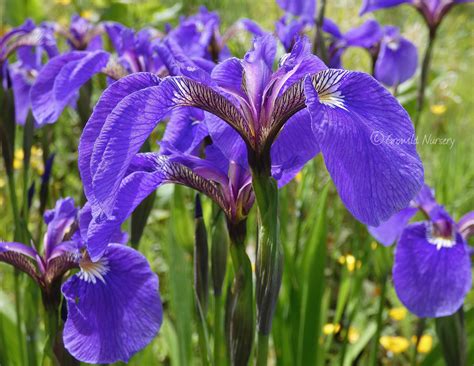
x=262 y=349
x=319 y=47
x=419 y=332
x=375 y=345
x=241 y=304
x=425 y=68
x=269 y=266
x=218 y=331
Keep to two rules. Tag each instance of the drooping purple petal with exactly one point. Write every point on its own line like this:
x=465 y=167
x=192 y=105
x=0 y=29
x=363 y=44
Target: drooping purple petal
x=397 y=61
x=355 y=121
x=59 y=81
x=107 y=102
x=20 y=248
x=293 y=148
x=22 y=257
x=388 y=232
x=114 y=307
x=372 y=5
x=430 y=281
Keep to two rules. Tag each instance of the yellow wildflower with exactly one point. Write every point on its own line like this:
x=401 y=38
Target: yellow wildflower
x=331 y=328
x=353 y=335
x=398 y=313
x=394 y=344
x=299 y=177
x=425 y=344
x=63 y=2
x=87 y=14
x=2 y=182
x=438 y=109
x=374 y=245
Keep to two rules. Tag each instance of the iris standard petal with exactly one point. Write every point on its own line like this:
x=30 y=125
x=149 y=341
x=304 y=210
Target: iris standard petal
x=397 y=62
x=59 y=81
x=431 y=282
x=114 y=307
x=293 y=148
x=107 y=102
x=372 y=5
x=303 y=8
x=365 y=137
x=388 y=232
x=366 y=36
x=21 y=87
x=466 y=225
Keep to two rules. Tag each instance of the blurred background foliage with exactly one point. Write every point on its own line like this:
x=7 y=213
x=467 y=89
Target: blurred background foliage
x=323 y=244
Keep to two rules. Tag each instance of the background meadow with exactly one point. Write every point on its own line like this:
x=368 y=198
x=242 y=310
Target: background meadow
x=355 y=314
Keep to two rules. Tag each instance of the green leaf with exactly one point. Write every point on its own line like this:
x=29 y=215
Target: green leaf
x=314 y=258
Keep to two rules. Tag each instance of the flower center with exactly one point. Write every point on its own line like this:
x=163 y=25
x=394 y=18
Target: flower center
x=91 y=271
x=440 y=239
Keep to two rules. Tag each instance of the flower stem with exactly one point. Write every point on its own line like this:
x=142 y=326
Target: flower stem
x=262 y=349
x=425 y=68
x=240 y=306
x=319 y=47
x=218 y=331
x=375 y=345
x=269 y=266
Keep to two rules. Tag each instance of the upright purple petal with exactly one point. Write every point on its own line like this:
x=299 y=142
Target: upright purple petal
x=366 y=35
x=466 y=225
x=372 y=5
x=431 y=281
x=60 y=80
x=356 y=121
x=59 y=221
x=114 y=308
x=303 y=8
x=388 y=232
x=21 y=91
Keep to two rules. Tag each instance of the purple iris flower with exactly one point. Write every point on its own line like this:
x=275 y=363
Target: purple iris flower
x=198 y=35
x=288 y=29
x=432 y=10
x=303 y=8
x=30 y=43
x=432 y=269
x=82 y=35
x=395 y=58
x=251 y=100
x=114 y=307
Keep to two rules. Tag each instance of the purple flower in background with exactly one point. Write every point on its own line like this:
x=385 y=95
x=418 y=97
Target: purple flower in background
x=30 y=43
x=303 y=8
x=82 y=35
x=432 y=269
x=288 y=29
x=432 y=10
x=257 y=103
x=395 y=59
x=114 y=308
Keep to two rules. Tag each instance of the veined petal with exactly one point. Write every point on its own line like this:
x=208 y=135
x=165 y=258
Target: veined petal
x=134 y=188
x=431 y=282
x=114 y=307
x=356 y=122
x=372 y=5
x=293 y=148
x=107 y=102
x=388 y=232
x=20 y=256
x=60 y=79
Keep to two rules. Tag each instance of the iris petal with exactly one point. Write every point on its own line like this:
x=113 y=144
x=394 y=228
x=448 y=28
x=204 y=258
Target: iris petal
x=365 y=138
x=111 y=320
x=389 y=231
x=430 y=282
